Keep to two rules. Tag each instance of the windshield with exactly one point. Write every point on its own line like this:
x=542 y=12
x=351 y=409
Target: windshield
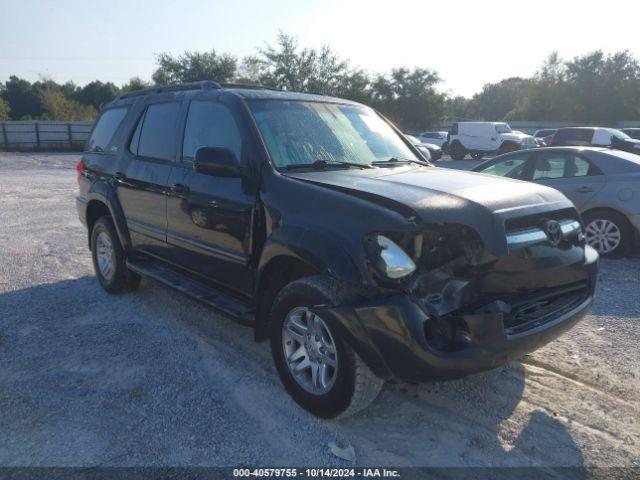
x=503 y=128
x=301 y=133
x=619 y=135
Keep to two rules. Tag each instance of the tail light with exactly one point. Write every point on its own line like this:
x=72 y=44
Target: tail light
x=79 y=169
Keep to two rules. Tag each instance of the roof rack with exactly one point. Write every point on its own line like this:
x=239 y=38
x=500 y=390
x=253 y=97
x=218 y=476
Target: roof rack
x=249 y=86
x=174 y=87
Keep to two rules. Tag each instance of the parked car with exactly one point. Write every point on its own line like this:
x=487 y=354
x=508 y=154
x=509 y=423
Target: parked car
x=544 y=136
x=316 y=222
x=429 y=150
x=482 y=138
x=595 y=136
x=603 y=184
x=632 y=132
x=435 y=138
x=544 y=133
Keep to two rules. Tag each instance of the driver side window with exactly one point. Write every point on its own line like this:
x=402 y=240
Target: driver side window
x=210 y=124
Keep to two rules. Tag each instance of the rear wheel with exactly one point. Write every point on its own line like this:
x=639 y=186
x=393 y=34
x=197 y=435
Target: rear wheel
x=317 y=367
x=457 y=151
x=109 y=259
x=608 y=232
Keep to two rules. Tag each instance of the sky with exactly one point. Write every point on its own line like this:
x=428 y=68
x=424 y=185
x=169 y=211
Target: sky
x=469 y=43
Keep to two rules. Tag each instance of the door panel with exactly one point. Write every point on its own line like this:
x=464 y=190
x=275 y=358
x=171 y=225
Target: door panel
x=142 y=183
x=210 y=218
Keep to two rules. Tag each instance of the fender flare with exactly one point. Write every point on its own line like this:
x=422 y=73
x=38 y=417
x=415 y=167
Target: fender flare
x=317 y=249
x=103 y=193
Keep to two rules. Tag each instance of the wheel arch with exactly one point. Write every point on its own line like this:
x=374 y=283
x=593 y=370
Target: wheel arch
x=290 y=255
x=103 y=202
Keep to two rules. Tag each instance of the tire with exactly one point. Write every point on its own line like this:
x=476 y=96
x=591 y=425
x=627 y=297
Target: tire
x=109 y=259
x=507 y=147
x=350 y=386
x=608 y=232
x=457 y=151
x=477 y=155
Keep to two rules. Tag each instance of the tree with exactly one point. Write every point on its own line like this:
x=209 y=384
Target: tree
x=58 y=107
x=289 y=67
x=457 y=108
x=4 y=110
x=408 y=97
x=95 y=93
x=496 y=100
x=195 y=66
x=135 y=83
x=23 y=99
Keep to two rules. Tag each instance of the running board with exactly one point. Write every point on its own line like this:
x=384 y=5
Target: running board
x=198 y=290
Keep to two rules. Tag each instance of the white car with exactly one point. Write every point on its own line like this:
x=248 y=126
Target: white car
x=436 y=138
x=482 y=138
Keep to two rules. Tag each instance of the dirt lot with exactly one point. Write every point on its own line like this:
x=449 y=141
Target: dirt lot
x=153 y=378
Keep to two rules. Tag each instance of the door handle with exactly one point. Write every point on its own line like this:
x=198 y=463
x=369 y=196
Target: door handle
x=179 y=188
x=119 y=177
x=584 y=189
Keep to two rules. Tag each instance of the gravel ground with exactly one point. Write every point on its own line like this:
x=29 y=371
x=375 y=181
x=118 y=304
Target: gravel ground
x=154 y=378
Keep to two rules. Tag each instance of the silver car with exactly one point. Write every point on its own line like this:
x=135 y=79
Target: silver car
x=603 y=184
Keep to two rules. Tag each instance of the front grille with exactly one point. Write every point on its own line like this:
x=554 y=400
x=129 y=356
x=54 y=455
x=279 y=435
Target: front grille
x=528 y=313
x=534 y=221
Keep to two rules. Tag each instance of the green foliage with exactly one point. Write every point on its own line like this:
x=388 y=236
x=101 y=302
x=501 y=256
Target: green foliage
x=23 y=98
x=95 y=93
x=194 y=66
x=408 y=97
x=595 y=88
x=58 y=107
x=4 y=110
x=135 y=83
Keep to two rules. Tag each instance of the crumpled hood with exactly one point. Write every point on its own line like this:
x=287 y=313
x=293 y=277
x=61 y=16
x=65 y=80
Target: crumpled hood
x=480 y=201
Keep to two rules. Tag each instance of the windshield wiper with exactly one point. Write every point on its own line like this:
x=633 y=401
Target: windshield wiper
x=322 y=164
x=401 y=160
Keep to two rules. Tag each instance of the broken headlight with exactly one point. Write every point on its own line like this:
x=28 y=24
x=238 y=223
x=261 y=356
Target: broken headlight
x=389 y=258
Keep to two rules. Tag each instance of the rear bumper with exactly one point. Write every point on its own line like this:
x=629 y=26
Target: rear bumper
x=389 y=335
x=81 y=208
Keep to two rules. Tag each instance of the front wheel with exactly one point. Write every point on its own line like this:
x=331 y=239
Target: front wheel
x=608 y=232
x=317 y=367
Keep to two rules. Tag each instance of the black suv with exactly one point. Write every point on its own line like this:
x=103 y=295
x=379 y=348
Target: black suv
x=595 y=136
x=316 y=222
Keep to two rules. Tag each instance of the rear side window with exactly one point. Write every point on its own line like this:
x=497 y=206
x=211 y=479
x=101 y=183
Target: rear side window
x=562 y=165
x=105 y=128
x=210 y=124
x=157 y=132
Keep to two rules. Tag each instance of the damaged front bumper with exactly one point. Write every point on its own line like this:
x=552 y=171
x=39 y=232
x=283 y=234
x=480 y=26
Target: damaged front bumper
x=394 y=335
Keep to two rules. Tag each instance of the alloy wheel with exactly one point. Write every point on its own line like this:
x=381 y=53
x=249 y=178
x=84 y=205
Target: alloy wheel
x=603 y=235
x=309 y=351
x=104 y=255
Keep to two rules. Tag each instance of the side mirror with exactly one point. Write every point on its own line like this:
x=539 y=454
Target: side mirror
x=217 y=162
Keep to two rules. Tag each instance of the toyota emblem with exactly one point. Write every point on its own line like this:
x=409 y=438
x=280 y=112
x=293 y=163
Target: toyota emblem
x=553 y=231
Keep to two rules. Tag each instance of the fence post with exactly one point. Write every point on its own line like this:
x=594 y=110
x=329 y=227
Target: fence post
x=37 y=135
x=4 y=135
x=69 y=134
